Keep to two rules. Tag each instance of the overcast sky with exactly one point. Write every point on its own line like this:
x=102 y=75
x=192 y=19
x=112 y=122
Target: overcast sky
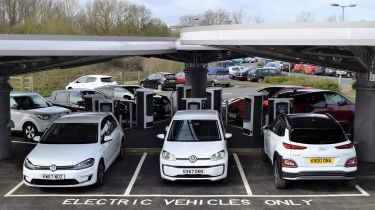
x=273 y=11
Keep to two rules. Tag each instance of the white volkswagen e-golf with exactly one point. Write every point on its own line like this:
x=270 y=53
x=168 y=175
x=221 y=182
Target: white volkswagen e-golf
x=75 y=151
x=195 y=147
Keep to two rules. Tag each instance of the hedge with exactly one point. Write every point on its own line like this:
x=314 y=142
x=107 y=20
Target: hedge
x=303 y=81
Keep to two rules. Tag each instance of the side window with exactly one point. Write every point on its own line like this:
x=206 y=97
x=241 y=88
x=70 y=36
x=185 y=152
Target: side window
x=264 y=71
x=104 y=128
x=91 y=79
x=113 y=122
x=63 y=96
x=272 y=71
x=82 y=80
x=273 y=125
x=334 y=99
x=278 y=127
x=152 y=76
x=317 y=99
x=75 y=97
x=13 y=104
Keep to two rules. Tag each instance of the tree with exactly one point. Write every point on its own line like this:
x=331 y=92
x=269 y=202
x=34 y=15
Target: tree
x=331 y=18
x=305 y=17
x=237 y=16
x=258 y=18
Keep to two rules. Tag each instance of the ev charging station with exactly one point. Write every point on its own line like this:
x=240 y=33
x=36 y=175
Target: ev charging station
x=183 y=91
x=145 y=109
x=194 y=103
x=92 y=102
x=214 y=99
x=252 y=122
x=278 y=106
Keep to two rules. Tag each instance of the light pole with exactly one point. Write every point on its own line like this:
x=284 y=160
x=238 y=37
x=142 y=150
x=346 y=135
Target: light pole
x=343 y=8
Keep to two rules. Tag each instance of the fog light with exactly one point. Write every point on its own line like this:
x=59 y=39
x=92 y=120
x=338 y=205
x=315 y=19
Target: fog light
x=289 y=163
x=352 y=162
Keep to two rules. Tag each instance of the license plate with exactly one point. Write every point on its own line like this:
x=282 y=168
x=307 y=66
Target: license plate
x=192 y=171
x=172 y=80
x=231 y=115
x=324 y=161
x=53 y=176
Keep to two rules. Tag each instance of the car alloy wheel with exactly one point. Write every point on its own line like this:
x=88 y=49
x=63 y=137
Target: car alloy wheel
x=30 y=131
x=348 y=75
x=100 y=175
x=159 y=87
x=260 y=79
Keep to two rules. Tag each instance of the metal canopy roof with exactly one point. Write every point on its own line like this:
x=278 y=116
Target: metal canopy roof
x=348 y=45
x=29 y=53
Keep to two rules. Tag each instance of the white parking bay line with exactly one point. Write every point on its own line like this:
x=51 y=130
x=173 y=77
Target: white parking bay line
x=134 y=178
x=23 y=142
x=361 y=190
x=9 y=194
x=242 y=173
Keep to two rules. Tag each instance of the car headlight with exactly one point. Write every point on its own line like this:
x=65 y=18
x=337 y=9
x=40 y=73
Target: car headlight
x=29 y=165
x=218 y=156
x=44 y=116
x=84 y=164
x=167 y=156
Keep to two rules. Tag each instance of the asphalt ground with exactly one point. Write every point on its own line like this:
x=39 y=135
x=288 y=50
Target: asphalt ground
x=135 y=183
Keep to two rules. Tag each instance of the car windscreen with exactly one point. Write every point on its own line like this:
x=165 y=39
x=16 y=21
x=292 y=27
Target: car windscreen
x=71 y=133
x=31 y=102
x=194 y=130
x=317 y=136
x=170 y=76
x=107 y=79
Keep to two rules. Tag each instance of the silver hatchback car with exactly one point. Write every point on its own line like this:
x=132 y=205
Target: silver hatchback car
x=218 y=76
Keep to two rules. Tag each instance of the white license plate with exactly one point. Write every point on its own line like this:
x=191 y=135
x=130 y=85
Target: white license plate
x=53 y=176
x=231 y=115
x=192 y=171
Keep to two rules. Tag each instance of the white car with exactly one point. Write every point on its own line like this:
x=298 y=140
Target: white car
x=91 y=82
x=32 y=114
x=75 y=151
x=309 y=147
x=233 y=70
x=195 y=147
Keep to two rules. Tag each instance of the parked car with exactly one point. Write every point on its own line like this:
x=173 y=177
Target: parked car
x=330 y=72
x=242 y=75
x=218 y=76
x=180 y=77
x=309 y=147
x=258 y=75
x=160 y=81
x=309 y=69
x=274 y=65
x=115 y=92
x=233 y=70
x=236 y=107
x=91 y=82
x=194 y=147
x=343 y=73
x=76 y=151
x=320 y=70
x=32 y=114
x=161 y=104
x=72 y=99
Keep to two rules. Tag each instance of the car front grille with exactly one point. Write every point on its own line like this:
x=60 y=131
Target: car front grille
x=54 y=182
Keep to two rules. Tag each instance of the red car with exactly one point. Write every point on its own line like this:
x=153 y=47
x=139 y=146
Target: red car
x=309 y=69
x=180 y=77
x=298 y=67
x=236 y=107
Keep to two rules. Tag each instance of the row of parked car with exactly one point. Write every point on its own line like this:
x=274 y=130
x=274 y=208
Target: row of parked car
x=32 y=114
x=323 y=71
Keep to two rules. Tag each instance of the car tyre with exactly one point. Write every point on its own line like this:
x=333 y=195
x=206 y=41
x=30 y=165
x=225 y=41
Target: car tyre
x=121 y=155
x=348 y=75
x=227 y=85
x=29 y=130
x=264 y=156
x=260 y=79
x=212 y=84
x=100 y=174
x=350 y=183
x=279 y=182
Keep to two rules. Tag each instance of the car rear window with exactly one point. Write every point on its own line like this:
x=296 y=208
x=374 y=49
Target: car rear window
x=222 y=72
x=107 y=79
x=194 y=130
x=317 y=136
x=170 y=76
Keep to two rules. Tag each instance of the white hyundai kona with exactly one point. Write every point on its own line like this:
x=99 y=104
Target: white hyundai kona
x=309 y=147
x=75 y=151
x=194 y=147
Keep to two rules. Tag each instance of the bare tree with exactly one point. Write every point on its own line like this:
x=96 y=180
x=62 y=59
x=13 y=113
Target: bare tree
x=258 y=18
x=189 y=20
x=331 y=18
x=215 y=17
x=305 y=17
x=237 y=16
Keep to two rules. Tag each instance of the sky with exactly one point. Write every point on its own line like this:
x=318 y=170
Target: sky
x=273 y=11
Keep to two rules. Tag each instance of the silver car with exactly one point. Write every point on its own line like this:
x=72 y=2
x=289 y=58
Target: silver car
x=218 y=76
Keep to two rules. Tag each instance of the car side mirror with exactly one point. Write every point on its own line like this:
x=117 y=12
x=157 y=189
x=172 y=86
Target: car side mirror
x=36 y=138
x=161 y=136
x=342 y=103
x=81 y=103
x=107 y=138
x=228 y=135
